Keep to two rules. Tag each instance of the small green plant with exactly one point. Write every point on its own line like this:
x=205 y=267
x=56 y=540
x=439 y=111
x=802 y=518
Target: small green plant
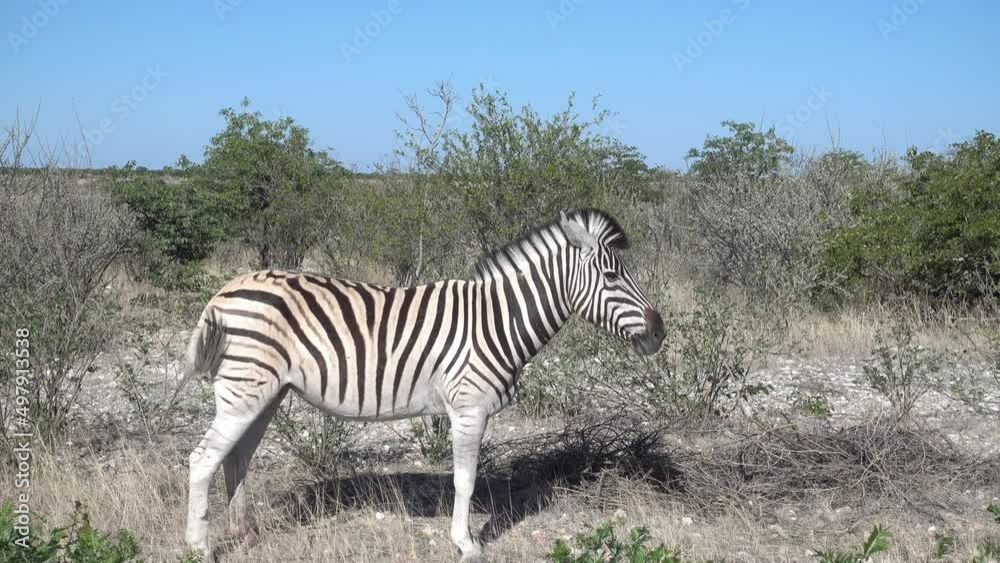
x=551 y=384
x=319 y=441
x=989 y=551
x=433 y=436
x=717 y=356
x=813 y=405
x=944 y=546
x=994 y=510
x=602 y=545
x=877 y=542
x=707 y=373
x=703 y=371
x=900 y=370
x=77 y=542
x=976 y=392
x=192 y=556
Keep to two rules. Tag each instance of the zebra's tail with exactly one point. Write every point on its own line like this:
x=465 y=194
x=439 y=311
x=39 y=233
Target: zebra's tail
x=206 y=348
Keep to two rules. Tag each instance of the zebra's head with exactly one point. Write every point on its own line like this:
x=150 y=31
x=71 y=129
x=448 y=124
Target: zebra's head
x=603 y=289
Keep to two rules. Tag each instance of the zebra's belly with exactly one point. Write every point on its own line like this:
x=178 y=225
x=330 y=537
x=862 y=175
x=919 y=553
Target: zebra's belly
x=425 y=400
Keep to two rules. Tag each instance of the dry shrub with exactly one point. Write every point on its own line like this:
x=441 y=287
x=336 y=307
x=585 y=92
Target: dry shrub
x=60 y=237
x=872 y=461
x=715 y=468
x=582 y=450
x=763 y=229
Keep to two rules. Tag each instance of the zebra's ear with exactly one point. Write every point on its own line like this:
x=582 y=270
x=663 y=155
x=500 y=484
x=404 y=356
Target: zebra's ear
x=577 y=234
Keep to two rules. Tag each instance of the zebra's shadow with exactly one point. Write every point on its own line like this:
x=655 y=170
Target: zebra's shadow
x=517 y=479
x=420 y=495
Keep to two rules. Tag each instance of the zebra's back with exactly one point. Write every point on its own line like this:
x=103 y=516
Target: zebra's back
x=354 y=349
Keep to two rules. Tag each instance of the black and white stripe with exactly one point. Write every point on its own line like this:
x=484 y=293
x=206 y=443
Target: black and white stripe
x=371 y=352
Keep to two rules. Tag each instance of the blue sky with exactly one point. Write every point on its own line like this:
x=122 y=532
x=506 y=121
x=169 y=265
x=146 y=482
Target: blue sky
x=875 y=74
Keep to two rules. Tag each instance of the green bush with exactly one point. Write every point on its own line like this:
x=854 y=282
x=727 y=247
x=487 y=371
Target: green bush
x=409 y=224
x=178 y=220
x=602 y=545
x=515 y=169
x=77 y=542
x=717 y=352
x=938 y=234
x=994 y=510
x=745 y=157
x=276 y=186
x=755 y=218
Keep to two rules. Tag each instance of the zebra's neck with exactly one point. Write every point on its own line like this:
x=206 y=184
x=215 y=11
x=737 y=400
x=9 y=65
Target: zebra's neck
x=524 y=305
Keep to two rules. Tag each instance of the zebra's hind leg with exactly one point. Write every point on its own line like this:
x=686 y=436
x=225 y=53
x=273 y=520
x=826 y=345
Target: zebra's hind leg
x=233 y=417
x=467 y=428
x=235 y=466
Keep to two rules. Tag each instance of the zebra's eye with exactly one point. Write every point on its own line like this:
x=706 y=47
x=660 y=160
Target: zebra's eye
x=611 y=276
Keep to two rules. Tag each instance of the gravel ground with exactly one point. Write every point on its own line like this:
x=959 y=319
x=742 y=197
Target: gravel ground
x=839 y=380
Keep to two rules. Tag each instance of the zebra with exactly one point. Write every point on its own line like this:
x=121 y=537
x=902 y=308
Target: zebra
x=369 y=352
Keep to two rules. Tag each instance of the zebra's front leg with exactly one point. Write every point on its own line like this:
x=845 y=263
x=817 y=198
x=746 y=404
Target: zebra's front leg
x=467 y=428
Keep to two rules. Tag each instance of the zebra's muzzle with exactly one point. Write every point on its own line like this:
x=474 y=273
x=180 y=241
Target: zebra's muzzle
x=648 y=342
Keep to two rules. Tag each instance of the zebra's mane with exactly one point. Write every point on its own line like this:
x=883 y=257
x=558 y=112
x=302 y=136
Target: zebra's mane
x=604 y=227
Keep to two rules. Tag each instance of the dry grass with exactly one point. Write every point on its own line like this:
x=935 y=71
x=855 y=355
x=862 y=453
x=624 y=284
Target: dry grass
x=852 y=332
x=720 y=492
x=849 y=332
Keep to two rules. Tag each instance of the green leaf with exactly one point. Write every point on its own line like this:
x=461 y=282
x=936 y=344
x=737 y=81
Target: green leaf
x=877 y=542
